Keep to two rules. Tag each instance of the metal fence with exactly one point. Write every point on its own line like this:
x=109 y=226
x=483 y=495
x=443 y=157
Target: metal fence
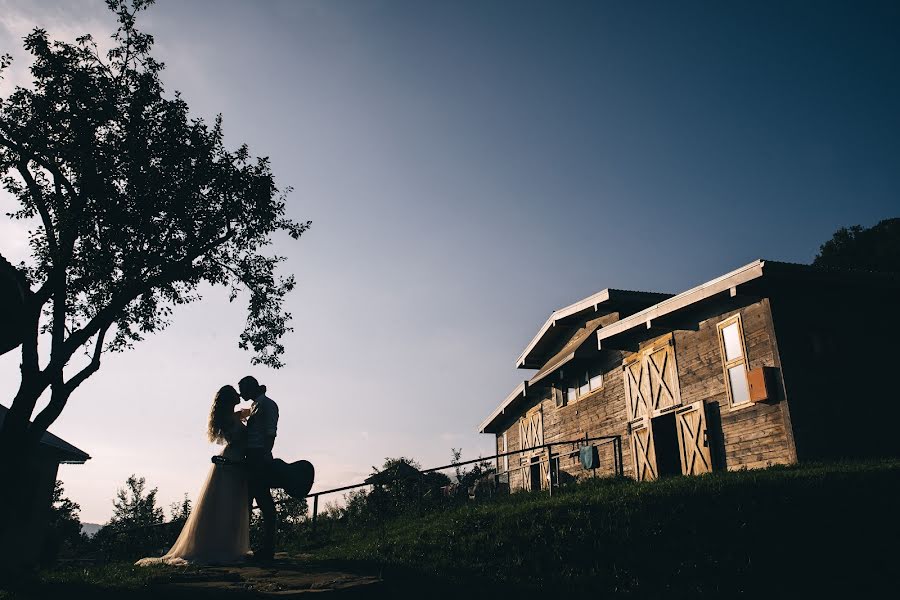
x=614 y=440
x=550 y=458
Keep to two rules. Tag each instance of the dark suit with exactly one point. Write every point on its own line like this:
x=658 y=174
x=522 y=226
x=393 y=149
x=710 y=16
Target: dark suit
x=261 y=425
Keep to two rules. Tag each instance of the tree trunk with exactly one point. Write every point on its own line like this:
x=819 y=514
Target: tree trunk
x=24 y=497
x=17 y=449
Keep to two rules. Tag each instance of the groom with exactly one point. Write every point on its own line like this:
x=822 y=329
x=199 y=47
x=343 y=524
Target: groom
x=262 y=427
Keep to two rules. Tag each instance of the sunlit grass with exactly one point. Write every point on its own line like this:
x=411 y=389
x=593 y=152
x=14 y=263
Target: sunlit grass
x=735 y=532
x=816 y=529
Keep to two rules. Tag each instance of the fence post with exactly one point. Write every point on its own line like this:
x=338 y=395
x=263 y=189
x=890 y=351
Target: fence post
x=620 y=464
x=315 y=511
x=550 y=468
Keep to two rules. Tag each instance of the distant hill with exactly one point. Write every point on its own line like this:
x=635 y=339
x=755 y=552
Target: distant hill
x=89 y=529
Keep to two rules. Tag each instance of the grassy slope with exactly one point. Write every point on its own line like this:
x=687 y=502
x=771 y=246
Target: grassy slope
x=812 y=528
x=819 y=530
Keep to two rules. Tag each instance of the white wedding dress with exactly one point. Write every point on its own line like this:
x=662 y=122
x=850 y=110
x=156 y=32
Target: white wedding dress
x=218 y=528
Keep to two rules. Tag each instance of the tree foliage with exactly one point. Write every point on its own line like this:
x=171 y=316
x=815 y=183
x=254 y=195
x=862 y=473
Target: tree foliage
x=135 y=506
x=395 y=494
x=138 y=205
x=64 y=526
x=180 y=511
x=876 y=248
x=468 y=477
x=135 y=529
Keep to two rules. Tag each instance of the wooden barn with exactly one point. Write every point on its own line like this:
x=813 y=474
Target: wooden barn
x=772 y=363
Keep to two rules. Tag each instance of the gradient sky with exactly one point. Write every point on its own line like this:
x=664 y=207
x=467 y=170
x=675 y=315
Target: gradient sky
x=468 y=168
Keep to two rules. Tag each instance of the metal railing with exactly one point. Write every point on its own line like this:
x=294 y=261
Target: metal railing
x=614 y=440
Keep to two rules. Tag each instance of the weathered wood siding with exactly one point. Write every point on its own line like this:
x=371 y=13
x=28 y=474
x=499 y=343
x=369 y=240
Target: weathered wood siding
x=751 y=436
x=601 y=413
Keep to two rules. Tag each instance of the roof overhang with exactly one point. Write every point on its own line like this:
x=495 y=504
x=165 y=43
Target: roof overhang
x=647 y=319
x=517 y=395
x=62 y=451
x=569 y=351
x=604 y=302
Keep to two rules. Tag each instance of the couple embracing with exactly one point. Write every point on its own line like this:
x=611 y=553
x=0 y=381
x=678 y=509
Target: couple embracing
x=218 y=529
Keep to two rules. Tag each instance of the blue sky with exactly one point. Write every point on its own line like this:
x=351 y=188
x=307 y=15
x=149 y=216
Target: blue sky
x=468 y=168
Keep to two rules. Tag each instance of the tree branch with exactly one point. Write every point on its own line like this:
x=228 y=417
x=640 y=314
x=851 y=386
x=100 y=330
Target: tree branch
x=56 y=282
x=93 y=366
x=26 y=154
x=34 y=381
x=38 y=197
x=128 y=294
x=62 y=390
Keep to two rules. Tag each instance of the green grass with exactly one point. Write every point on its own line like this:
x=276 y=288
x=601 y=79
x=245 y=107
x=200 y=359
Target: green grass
x=810 y=528
x=114 y=580
x=815 y=530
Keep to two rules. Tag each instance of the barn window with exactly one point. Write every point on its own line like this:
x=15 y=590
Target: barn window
x=584 y=385
x=734 y=360
x=585 y=382
x=596 y=380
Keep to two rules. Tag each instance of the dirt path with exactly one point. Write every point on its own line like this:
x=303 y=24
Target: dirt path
x=286 y=577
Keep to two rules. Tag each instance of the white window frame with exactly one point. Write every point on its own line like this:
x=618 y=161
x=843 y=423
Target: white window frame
x=728 y=364
x=572 y=388
x=505 y=458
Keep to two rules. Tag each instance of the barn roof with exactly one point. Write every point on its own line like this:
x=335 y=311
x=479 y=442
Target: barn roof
x=752 y=276
x=568 y=352
x=725 y=283
x=64 y=451
x=663 y=308
x=520 y=392
x=559 y=325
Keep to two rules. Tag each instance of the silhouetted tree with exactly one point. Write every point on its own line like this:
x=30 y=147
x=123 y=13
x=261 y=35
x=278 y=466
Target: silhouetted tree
x=135 y=506
x=64 y=527
x=180 y=511
x=400 y=488
x=137 y=204
x=467 y=477
x=134 y=527
x=876 y=248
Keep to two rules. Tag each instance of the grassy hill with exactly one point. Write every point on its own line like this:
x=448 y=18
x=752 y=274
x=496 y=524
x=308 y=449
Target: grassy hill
x=812 y=529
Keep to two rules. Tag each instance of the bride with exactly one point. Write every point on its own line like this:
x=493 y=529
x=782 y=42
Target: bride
x=218 y=529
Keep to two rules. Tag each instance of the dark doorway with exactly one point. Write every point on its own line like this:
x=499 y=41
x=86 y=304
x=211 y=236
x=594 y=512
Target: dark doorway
x=665 y=440
x=535 y=474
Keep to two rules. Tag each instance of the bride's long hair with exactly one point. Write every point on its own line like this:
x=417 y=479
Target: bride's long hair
x=221 y=415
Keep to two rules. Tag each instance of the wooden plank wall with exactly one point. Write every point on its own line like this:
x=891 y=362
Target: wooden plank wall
x=599 y=413
x=751 y=436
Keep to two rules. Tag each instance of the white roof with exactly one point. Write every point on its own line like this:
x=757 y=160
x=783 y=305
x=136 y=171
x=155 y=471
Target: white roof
x=715 y=286
x=593 y=300
x=520 y=391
